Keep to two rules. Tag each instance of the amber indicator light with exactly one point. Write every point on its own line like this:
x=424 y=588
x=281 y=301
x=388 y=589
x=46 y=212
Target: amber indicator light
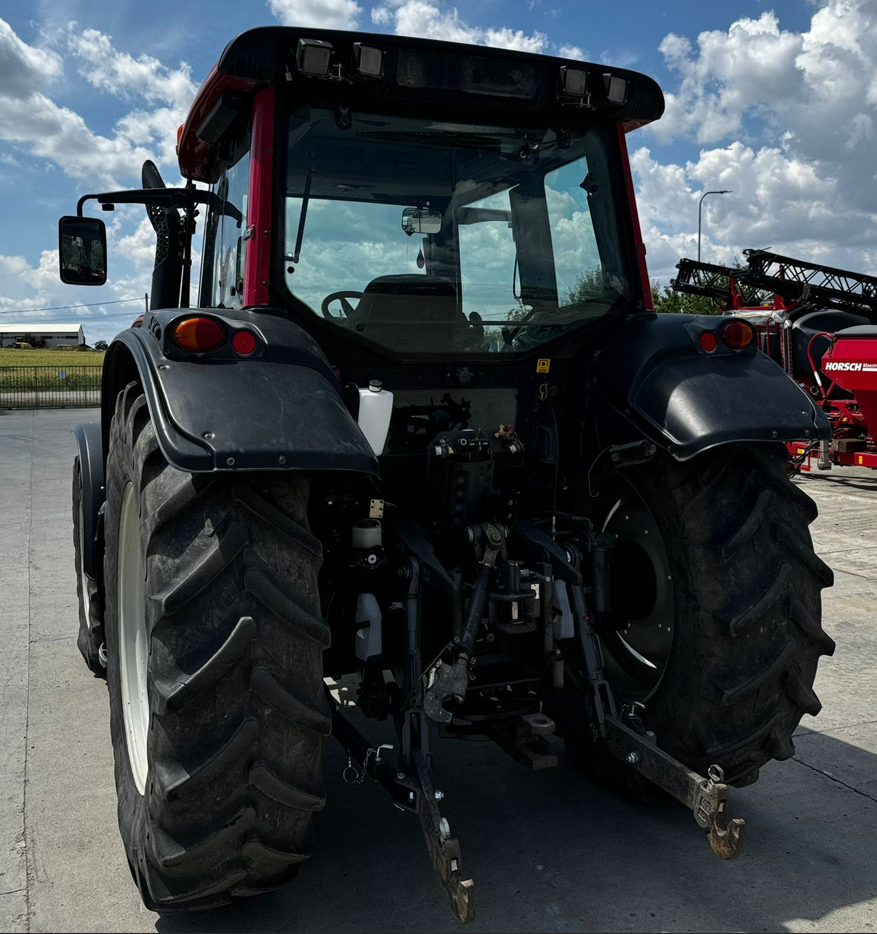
x=199 y=335
x=737 y=335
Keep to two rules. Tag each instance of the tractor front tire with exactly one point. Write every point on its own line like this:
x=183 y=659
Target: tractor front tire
x=727 y=602
x=215 y=643
x=91 y=631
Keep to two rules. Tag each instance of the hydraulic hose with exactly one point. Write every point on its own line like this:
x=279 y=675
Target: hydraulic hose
x=412 y=624
x=475 y=610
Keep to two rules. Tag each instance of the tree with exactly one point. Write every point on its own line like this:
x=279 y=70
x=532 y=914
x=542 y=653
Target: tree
x=100 y=345
x=668 y=301
x=589 y=285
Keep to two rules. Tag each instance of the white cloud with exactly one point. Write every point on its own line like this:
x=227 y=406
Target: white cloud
x=429 y=19
x=103 y=66
x=331 y=14
x=815 y=91
x=58 y=136
x=11 y=266
x=776 y=201
x=791 y=119
x=30 y=118
x=137 y=248
x=572 y=51
x=61 y=136
x=36 y=290
x=23 y=68
x=749 y=67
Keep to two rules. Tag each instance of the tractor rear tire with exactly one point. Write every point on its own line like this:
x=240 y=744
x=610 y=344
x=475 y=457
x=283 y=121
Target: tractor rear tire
x=91 y=630
x=218 y=709
x=743 y=599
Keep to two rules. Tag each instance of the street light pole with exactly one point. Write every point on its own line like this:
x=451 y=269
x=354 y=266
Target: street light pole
x=724 y=191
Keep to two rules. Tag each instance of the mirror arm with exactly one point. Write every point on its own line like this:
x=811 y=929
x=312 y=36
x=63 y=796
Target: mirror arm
x=163 y=198
x=188 y=231
x=160 y=197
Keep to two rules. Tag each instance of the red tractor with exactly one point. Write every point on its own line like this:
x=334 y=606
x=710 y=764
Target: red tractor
x=820 y=324
x=423 y=433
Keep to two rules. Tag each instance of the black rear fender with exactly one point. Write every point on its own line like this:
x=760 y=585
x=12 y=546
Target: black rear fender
x=279 y=409
x=91 y=471
x=653 y=378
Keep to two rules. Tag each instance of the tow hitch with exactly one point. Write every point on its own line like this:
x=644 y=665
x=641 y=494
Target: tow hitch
x=706 y=798
x=416 y=794
x=444 y=850
x=436 y=690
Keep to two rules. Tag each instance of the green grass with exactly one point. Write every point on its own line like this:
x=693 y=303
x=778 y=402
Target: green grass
x=38 y=370
x=50 y=357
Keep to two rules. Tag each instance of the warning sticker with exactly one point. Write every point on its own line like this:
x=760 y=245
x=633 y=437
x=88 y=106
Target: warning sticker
x=543 y=365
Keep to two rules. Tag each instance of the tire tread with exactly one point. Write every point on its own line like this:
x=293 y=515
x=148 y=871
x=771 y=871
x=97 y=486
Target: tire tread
x=237 y=699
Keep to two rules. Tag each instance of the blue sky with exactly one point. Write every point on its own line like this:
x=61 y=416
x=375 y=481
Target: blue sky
x=774 y=100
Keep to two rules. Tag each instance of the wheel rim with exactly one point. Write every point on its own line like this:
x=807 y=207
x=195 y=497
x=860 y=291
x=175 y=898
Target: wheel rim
x=642 y=590
x=133 y=642
x=83 y=577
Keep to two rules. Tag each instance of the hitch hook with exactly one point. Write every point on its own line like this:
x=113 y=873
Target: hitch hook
x=725 y=834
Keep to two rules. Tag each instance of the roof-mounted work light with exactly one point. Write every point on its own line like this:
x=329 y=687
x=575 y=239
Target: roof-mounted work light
x=368 y=60
x=314 y=57
x=616 y=89
x=573 y=81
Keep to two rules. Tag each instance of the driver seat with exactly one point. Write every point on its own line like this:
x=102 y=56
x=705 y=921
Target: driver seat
x=410 y=313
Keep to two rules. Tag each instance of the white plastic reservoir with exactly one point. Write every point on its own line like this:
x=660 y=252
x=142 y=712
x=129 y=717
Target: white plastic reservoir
x=369 y=638
x=375 y=409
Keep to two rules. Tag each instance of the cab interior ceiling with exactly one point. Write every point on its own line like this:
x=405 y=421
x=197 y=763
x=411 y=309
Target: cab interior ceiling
x=391 y=168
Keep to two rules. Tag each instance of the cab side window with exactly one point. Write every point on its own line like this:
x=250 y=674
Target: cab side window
x=224 y=255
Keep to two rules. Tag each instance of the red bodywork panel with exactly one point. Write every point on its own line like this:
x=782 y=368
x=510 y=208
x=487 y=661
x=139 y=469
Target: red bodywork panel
x=852 y=363
x=634 y=220
x=196 y=156
x=257 y=269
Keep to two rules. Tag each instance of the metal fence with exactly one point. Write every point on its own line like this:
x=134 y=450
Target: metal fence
x=49 y=387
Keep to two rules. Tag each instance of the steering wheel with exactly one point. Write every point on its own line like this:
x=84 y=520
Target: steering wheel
x=342 y=297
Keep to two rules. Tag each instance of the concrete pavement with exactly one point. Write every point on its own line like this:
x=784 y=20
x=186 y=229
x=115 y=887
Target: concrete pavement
x=548 y=850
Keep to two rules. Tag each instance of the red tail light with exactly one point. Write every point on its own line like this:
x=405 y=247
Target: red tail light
x=199 y=335
x=708 y=341
x=244 y=342
x=737 y=335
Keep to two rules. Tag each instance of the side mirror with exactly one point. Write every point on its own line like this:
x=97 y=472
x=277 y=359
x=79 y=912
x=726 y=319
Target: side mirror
x=420 y=221
x=82 y=244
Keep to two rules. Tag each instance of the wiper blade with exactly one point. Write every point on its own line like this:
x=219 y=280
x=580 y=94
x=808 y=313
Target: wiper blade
x=306 y=197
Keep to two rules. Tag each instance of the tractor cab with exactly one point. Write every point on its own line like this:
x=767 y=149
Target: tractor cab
x=417 y=198
x=449 y=238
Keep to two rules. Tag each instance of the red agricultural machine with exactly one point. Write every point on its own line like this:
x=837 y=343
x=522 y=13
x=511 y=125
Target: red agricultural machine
x=820 y=325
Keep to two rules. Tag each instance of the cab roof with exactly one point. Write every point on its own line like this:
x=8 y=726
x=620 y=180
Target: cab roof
x=415 y=73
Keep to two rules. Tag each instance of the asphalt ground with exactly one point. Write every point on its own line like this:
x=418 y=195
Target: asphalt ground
x=549 y=851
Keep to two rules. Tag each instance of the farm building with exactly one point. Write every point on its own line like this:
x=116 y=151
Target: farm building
x=42 y=335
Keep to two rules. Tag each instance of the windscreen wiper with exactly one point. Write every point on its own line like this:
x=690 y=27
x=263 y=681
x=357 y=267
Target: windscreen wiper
x=305 y=198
